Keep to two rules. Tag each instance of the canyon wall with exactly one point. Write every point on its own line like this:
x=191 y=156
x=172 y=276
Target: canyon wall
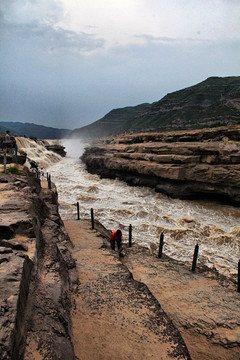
x=185 y=164
x=37 y=272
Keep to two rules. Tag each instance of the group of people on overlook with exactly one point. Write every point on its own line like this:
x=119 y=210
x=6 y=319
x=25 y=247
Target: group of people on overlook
x=39 y=173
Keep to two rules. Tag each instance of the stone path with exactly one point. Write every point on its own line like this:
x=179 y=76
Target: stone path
x=114 y=316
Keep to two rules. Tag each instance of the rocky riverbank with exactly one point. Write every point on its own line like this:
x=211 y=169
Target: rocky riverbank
x=38 y=280
x=37 y=272
x=184 y=164
x=50 y=306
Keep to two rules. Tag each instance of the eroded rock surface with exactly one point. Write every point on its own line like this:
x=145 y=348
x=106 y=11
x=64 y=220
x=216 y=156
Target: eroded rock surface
x=35 y=264
x=14 y=284
x=57 y=148
x=193 y=164
x=203 y=305
x=38 y=278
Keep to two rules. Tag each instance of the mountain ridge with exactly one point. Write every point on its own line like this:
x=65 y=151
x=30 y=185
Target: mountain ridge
x=213 y=102
x=33 y=130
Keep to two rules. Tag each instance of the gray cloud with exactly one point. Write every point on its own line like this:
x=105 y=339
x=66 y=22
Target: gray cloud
x=56 y=77
x=165 y=39
x=48 y=38
x=151 y=38
x=30 y=11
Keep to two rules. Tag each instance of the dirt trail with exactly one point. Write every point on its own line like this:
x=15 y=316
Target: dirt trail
x=115 y=317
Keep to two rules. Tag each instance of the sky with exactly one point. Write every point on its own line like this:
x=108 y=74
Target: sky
x=67 y=63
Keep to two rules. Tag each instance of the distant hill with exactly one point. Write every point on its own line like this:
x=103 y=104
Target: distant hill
x=213 y=102
x=2 y=129
x=115 y=122
x=33 y=130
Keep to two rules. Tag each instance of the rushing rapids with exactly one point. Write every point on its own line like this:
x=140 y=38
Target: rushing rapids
x=36 y=151
x=214 y=226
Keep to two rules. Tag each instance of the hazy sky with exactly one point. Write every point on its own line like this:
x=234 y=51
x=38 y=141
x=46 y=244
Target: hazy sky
x=66 y=63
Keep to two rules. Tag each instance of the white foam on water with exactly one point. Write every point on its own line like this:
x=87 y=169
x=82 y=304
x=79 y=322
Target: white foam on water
x=214 y=226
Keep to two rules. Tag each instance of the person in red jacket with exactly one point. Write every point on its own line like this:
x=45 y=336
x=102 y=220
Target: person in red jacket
x=116 y=236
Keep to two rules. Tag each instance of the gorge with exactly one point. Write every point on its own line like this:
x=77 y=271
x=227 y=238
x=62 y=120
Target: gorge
x=37 y=230
x=185 y=164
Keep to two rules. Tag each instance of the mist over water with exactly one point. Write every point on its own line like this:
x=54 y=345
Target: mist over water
x=214 y=226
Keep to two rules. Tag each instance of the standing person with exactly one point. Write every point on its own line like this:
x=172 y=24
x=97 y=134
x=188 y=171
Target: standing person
x=8 y=140
x=116 y=236
x=41 y=174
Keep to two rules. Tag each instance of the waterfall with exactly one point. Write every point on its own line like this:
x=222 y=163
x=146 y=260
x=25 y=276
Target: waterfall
x=37 y=152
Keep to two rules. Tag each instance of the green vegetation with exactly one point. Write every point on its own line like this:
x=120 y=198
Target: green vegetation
x=14 y=170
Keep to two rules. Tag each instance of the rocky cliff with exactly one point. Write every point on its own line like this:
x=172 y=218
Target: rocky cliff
x=57 y=148
x=38 y=278
x=37 y=272
x=184 y=164
x=38 y=275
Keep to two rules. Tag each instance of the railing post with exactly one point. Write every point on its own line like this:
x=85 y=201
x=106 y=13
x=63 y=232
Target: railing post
x=130 y=235
x=160 y=246
x=49 y=182
x=238 y=289
x=78 y=215
x=92 y=218
x=195 y=257
x=5 y=163
x=15 y=154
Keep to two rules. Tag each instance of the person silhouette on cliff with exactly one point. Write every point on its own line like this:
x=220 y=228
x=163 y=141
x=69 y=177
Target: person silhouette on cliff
x=8 y=141
x=116 y=236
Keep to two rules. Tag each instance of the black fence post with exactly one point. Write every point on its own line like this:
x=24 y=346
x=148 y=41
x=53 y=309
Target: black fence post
x=130 y=235
x=194 y=263
x=92 y=219
x=160 y=246
x=49 y=182
x=78 y=215
x=5 y=163
x=238 y=276
x=47 y=176
x=15 y=154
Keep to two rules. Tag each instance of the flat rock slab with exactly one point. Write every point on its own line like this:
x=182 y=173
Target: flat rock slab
x=203 y=305
x=115 y=317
